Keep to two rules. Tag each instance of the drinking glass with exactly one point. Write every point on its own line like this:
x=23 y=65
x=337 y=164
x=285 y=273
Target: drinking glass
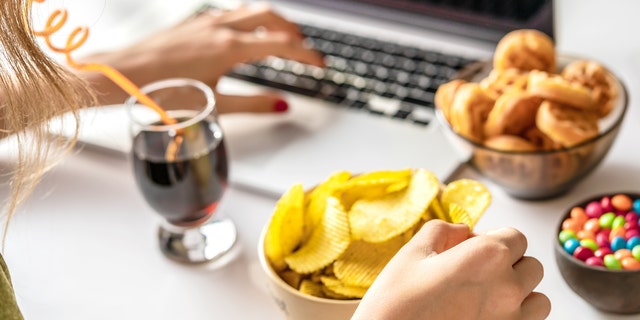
x=181 y=169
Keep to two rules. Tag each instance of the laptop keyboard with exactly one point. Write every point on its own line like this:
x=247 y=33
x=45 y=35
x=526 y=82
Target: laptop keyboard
x=379 y=77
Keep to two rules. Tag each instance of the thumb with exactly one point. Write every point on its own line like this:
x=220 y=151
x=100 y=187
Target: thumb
x=261 y=103
x=437 y=236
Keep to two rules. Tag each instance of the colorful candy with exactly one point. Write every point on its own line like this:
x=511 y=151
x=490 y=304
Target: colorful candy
x=621 y=202
x=611 y=262
x=605 y=233
x=595 y=261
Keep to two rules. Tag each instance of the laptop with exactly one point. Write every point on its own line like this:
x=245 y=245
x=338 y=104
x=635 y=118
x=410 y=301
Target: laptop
x=365 y=111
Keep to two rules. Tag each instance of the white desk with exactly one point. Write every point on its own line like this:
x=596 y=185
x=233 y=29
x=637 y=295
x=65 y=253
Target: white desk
x=84 y=245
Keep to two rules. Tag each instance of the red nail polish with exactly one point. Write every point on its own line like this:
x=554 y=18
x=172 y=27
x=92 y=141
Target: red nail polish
x=280 y=106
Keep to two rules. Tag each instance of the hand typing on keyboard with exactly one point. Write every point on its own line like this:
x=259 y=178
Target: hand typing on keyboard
x=205 y=47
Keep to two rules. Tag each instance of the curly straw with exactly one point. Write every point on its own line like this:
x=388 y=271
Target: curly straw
x=77 y=38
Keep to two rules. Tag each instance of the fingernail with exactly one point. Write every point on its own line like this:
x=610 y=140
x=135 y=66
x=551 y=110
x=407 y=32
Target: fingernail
x=280 y=106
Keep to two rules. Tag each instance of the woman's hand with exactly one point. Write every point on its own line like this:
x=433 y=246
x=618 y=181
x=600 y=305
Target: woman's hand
x=205 y=48
x=444 y=272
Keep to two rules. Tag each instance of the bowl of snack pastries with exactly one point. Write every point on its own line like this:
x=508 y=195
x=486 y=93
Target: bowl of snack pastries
x=323 y=247
x=597 y=251
x=532 y=121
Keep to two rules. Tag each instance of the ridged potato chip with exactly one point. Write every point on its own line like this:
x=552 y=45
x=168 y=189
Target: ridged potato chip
x=312 y=288
x=327 y=241
x=316 y=201
x=338 y=287
x=374 y=185
x=378 y=220
x=459 y=215
x=436 y=211
x=362 y=262
x=286 y=228
x=470 y=195
x=291 y=277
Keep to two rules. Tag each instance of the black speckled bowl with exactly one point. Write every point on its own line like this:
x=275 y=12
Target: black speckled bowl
x=615 y=291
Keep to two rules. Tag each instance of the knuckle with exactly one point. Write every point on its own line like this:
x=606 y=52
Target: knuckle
x=227 y=40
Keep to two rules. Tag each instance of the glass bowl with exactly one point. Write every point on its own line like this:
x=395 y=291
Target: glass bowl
x=542 y=174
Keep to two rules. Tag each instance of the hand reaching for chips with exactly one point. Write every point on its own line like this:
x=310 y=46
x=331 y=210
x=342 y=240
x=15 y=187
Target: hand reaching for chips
x=334 y=240
x=444 y=272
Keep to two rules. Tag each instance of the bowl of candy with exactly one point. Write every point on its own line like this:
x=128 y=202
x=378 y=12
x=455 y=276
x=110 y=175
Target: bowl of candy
x=597 y=250
x=322 y=248
x=533 y=122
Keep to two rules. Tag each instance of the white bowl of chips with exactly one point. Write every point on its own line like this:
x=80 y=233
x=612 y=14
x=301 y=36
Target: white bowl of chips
x=324 y=247
x=295 y=304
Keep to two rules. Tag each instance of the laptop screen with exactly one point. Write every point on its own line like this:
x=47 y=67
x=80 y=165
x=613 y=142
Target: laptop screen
x=481 y=19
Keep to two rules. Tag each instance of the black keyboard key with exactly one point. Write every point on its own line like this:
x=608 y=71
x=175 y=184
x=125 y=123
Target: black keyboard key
x=421 y=97
x=381 y=73
x=360 y=68
x=402 y=78
x=406 y=64
x=355 y=104
x=402 y=114
x=420 y=81
x=346 y=52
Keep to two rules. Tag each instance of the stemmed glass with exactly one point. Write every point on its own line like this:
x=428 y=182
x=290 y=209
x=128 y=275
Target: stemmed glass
x=181 y=169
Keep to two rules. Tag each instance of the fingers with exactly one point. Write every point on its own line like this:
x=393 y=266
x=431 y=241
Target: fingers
x=535 y=306
x=250 y=17
x=263 y=103
x=513 y=239
x=436 y=236
x=529 y=272
x=250 y=47
x=259 y=32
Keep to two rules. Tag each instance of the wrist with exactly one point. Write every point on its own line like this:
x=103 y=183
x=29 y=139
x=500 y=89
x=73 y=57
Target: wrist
x=108 y=91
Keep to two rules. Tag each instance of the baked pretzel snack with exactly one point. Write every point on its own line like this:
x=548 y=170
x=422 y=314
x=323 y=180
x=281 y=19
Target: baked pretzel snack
x=525 y=49
x=513 y=113
x=540 y=139
x=598 y=79
x=565 y=125
x=508 y=100
x=469 y=111
x=499 y=82
x=556 y=88
x=445 y=94
x=509 y=143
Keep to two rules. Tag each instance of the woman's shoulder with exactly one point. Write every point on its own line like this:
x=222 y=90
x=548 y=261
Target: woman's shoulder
x=8 y=306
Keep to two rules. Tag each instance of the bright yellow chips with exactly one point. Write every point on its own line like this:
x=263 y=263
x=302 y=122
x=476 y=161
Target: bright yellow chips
x=380 y=219
x=286 y=227
x=340 y=290
x=373 y=185
x=327 y=242
x=470 y=195
x=317 y=199
x=333 y=241
x=363 y=261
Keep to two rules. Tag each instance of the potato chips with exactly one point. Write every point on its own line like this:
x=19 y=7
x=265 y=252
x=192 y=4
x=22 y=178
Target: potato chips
x=333 y=241
x=286 y=228
x=382 y=218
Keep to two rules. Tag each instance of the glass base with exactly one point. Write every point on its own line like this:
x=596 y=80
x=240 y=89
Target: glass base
x=209 y=243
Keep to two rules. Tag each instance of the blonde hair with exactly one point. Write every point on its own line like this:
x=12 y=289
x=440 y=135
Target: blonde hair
x=33 y=89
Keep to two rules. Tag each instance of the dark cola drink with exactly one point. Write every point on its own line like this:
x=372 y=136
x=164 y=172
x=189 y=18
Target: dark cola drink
x=185 y=185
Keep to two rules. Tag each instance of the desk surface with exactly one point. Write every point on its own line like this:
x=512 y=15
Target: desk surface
x=84 y=247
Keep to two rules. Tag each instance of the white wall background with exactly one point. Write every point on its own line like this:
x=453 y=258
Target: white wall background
x=602 y=29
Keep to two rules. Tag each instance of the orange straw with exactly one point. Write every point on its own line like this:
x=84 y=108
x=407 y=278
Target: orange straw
x=55 y=21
